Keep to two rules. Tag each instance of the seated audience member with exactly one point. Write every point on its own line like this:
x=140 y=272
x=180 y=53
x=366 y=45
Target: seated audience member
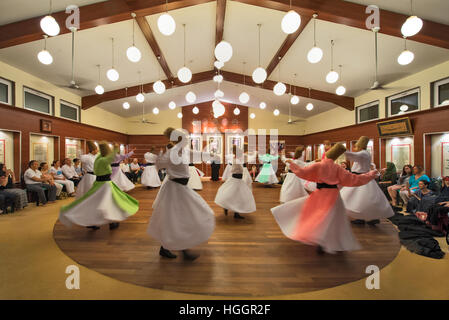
x=77 y=166
x=124 y=166
x=437 y=215
x=69 y=171
x=21 y=200
x=401 y=184
x=60 y=179
x=388 y=177
x=136 y=170
x=413 y=183
x=346 y=165
x=6 y=198
x=422 y=199
x=43 y=168
x=36 y=183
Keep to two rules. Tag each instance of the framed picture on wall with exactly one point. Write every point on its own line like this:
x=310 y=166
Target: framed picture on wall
x=46 y=126
x=215 y=144
x=308 y=156
x=3 y=151
x=40 y=152
x=401 y=154
x=234 y=140
x=71 y=151
x=444 y=159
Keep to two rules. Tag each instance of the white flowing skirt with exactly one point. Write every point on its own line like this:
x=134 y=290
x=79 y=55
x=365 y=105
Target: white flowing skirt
x=150 y=177
x=366 y=202
x=227 y=173
x=334 y=233
x=292 y=188
x=181 y=219
x=247 y=177
x=122 y=181
x=87 y=181
x=272 y=179
x=98 y=209
x=194 y=179
x=235 y=195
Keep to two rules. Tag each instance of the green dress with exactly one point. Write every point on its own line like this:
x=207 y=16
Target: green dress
x=103 y=203
x=267 y=174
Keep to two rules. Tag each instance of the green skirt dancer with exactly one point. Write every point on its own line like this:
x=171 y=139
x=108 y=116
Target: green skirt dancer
x=267 y=174
x=104 y=203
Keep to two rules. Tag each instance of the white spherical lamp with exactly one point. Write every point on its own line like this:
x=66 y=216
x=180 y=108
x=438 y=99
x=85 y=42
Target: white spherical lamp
x=179 y=115
x=112 y=74
x=279 y=89
x=309 y=106
x=172 y=105
x=406 y=57
x=223 y=51
x=99 y=89
x=315 y=55
x=133 y=54
x=291 y=22
x=159 y=87
x=252 y=115
x=411 y=26
x=218 y=64
x=195 y=110
x=156 y=110
x=276 y=112
x=236 y=111
x=140 y=98
x=403 y=108
x=126 y=105
x=341 y=90
x=184 y=74
x=45 y=57
x=332 y=76
x=190 y=97
x=166 y=24
x=219 y=94
x=50 y=26
x=294 y=100
x=259 y=75
x=262 y=105
x=218 y=78
x=244 y=97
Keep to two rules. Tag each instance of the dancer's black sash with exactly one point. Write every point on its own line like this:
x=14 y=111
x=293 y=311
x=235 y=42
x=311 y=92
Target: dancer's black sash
x=237 y=175
x=148 y=164
x=244 y=165
x=115 y=164
x=289 y=171
x=106 y=177
x=326 y=186
x=90 y=172
x=182 y=181
x=191 y=165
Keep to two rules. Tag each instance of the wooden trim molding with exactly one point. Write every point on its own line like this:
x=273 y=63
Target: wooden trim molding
x=219 y=26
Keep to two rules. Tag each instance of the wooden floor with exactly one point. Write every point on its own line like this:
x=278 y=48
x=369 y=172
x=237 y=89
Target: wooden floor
x=248 y=257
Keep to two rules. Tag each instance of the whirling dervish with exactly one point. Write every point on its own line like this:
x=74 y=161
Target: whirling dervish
x=119 y=178
x=87 y=164
x=150 y=177
x=267 y=175
x=293 y=186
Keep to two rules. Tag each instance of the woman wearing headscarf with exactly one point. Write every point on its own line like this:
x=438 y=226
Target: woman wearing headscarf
x=388 y=178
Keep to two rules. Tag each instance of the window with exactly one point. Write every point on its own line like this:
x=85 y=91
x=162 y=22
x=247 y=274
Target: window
x=5 y=91
x=37 y=101
x=368 y=112
x=405 y=102
x=441 y=93
x=69 y=111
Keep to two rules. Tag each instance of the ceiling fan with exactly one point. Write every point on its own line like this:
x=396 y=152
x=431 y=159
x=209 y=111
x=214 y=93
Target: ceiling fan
x=73 y=84
x=143 y=120
x=290 y=121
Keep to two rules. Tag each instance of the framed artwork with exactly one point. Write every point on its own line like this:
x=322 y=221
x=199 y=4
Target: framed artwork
x=236 y=140
x=444 y=159
x=319 y=151
x=308 y=156
x=401 y=154
x=215 y=144
x=196 y=142
x=40 y=151
x=71 y=151
x=398 y=127
x=277 y=146
x=46 y=126
x=3 y=151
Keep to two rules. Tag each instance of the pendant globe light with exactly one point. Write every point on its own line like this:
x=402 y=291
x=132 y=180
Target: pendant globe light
x=412 y=25
x=309 y=106
x=140 y=97
x=294 y=99
x=159 y=86
x=218 y=78
x=280 y=88
x=44 y=56
x=165 y=23
x=179 y=115
x=262 y=105
x=236 y=111
x=276 y=112
x=172 y=105
x=49 y=25
x=406 y=57
x=218 y=94
x=125 y=104
x=218 y=64
x=252 y=115
x=112 y=74
x=223 y=51
x=190 y=97
x=133 y=53
x=244 y=96
x=291 y=21
x=332 y=76
x=155 y=110
x=99 y=88
x=195 y=110
x=341 y=90
x=315 y=54
x=259 y=74
x=184 y=74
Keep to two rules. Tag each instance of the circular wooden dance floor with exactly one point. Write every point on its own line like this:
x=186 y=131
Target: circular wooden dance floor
x=248 y=257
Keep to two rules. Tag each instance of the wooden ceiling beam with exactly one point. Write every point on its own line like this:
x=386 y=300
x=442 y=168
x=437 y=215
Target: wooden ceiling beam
x=149 y=36
x=288 y=42
x=92 y=15
x=342 y=101
x=95 y=99
x=353 y=15
x=219 y=26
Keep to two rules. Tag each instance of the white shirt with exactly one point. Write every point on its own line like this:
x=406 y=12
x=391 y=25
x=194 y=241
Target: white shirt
x=87 y=162
x=57 y=173
x=180 y=170
x=134 y=166
x=124 y=167
x=69 y=172
x=150 y=157
x=29 y=174
x=361 y=159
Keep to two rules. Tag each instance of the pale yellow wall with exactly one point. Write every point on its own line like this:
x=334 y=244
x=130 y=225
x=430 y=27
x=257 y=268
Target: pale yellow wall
x=340 y=117
x=267 y=120
x=94 y=116
x=163 y=120
x=8 y=149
